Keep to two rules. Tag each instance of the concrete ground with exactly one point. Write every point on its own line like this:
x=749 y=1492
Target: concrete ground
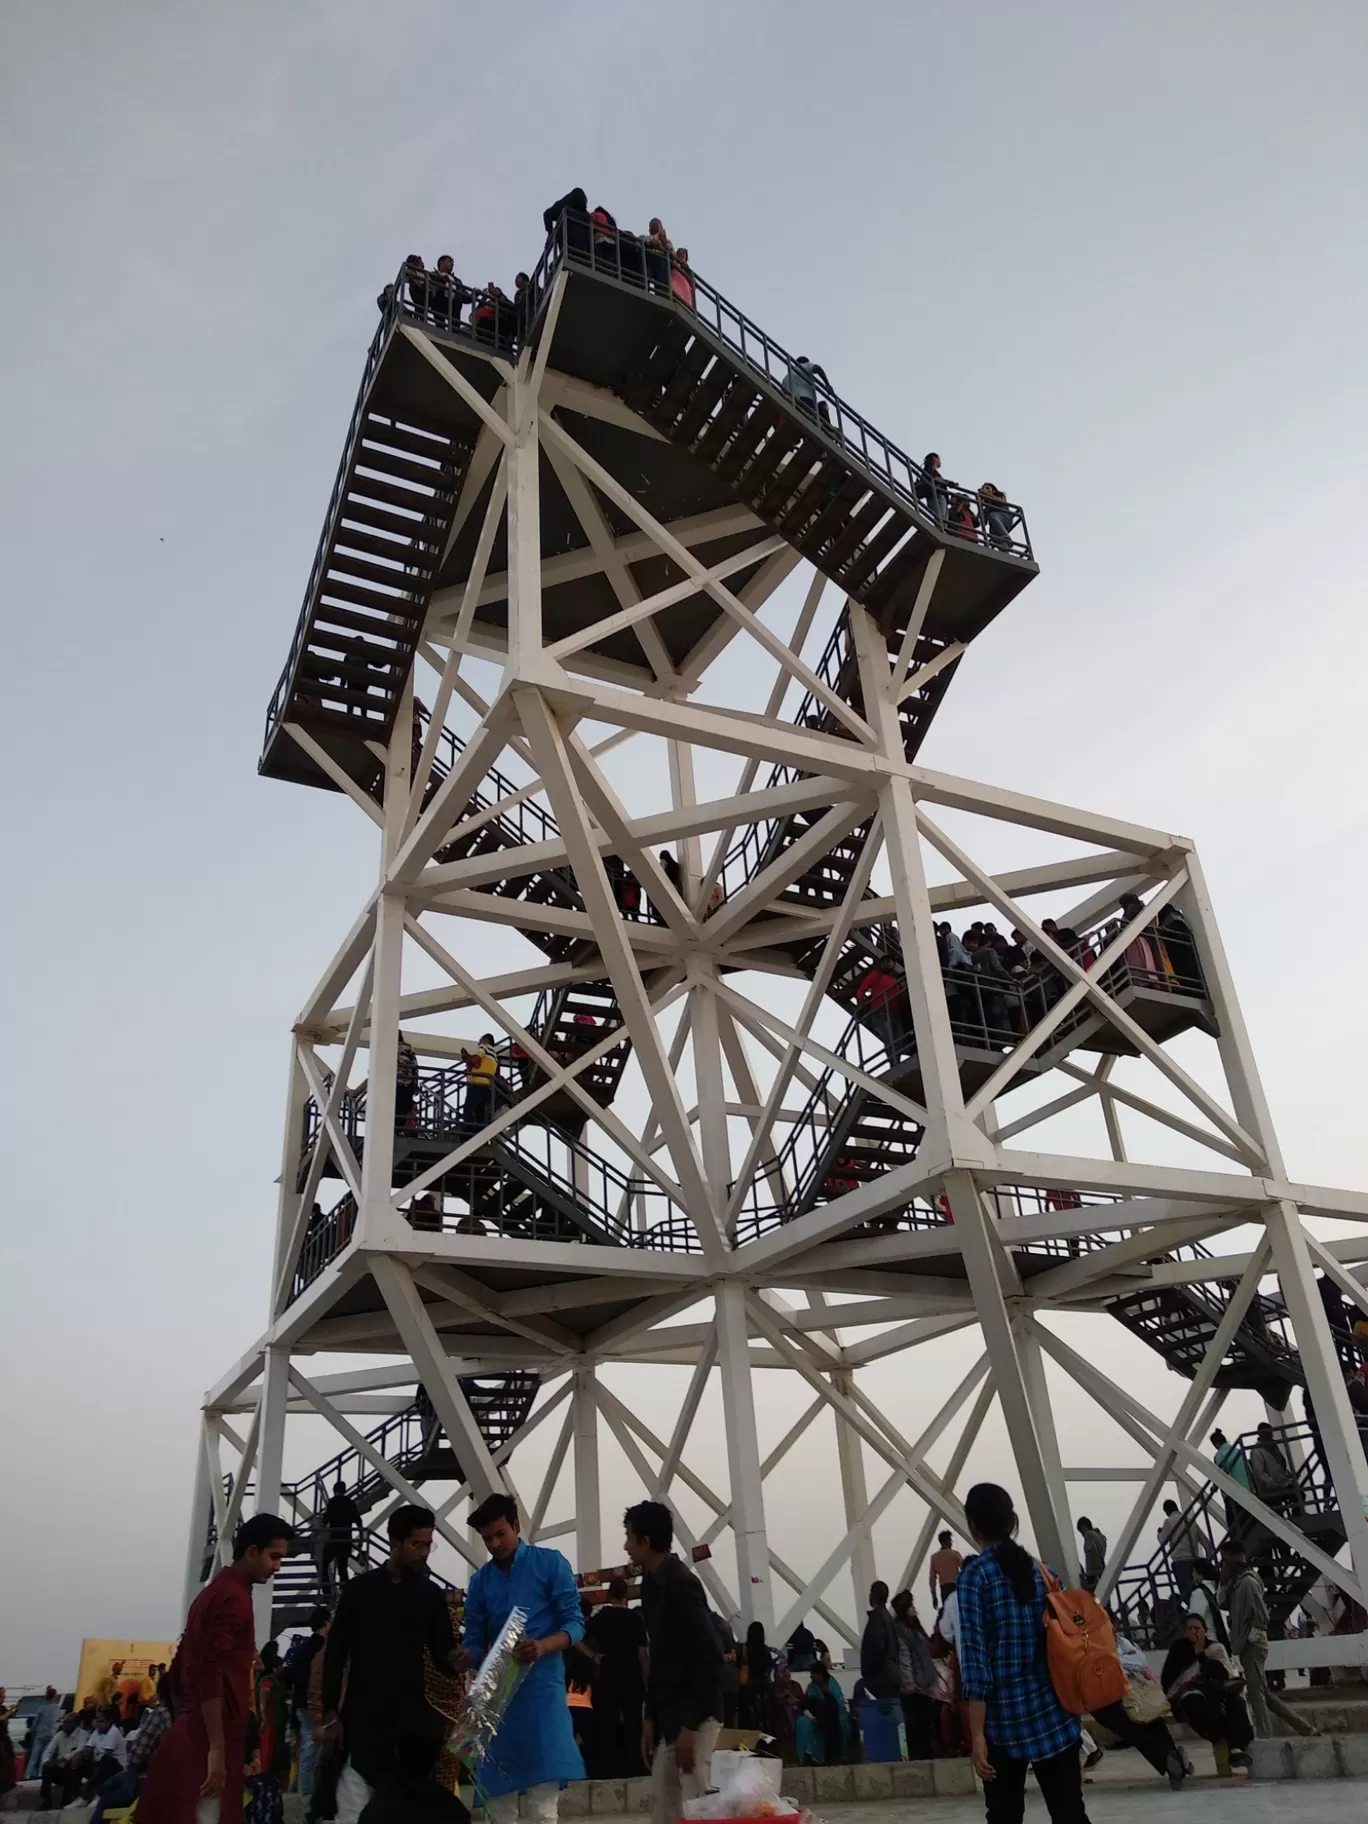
x=1219 y=1802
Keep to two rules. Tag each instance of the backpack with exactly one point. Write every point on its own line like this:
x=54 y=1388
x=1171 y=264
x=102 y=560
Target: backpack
x=1080 y=1649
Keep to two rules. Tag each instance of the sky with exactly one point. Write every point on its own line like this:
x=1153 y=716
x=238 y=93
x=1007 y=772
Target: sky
x=1107 y=257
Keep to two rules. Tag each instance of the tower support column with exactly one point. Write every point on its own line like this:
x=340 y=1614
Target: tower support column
x=754 y=1591
x=588 y=1514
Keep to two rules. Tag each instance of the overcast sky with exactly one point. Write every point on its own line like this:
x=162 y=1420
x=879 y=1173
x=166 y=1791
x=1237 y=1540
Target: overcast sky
x=1110 y=257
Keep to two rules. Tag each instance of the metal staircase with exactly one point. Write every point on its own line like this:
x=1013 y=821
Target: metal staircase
x=383 y=537
x=1146 y=1596
x=413 y=1442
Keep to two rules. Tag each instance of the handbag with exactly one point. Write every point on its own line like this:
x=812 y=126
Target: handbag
x=1144 y=1701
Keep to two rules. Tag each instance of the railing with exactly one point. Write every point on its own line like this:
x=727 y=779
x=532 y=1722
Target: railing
x=324 y=1239
x=500 y=1403
x=578 y=242
x=761 y=843
x=1143 y=1592
x=566 y=1177
x=522 y=820
x=373 y=354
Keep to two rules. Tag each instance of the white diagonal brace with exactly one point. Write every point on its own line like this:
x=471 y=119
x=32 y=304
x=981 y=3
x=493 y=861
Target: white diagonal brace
x=455 y=379
x=365 y=1449
x=777 y=649
x=650 y=605
x=416 y=1332
x=553 y=763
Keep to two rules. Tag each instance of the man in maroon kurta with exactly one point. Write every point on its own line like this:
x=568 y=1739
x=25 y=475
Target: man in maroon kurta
x=196 y=1776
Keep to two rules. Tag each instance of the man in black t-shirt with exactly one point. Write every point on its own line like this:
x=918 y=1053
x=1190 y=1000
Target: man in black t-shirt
x=616 y=1636
x=385 y=1623
x=341 y=1522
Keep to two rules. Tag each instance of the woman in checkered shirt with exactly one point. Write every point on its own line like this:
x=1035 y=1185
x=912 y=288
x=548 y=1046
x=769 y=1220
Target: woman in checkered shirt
x=1015 y=1719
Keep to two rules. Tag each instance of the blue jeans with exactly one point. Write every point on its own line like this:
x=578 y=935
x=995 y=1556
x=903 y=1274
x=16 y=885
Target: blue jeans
x=308 y=1753
x=117 y=1792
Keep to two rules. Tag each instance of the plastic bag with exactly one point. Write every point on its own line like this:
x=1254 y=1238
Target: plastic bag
x=743 y=1792
x=490 y=1692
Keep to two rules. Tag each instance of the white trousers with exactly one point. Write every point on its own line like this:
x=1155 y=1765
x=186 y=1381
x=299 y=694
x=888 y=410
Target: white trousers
x=669 y=1787
x=353 y=1795
x=541 y=1804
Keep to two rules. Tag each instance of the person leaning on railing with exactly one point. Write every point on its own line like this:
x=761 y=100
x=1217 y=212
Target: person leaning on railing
x=998 y=518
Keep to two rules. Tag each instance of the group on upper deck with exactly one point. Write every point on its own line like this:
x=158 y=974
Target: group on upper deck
x=439 y=296
x=997 y=988
x=651 y=261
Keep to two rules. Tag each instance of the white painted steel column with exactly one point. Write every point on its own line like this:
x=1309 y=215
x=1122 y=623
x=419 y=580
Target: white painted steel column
x=1340 y=1440
x=275 y=1393
x=754 y=1591
x=287 y=1200
x=588 y=1511
x=854 y=1494
x=950 y=1133
x=201 y=1512
x=524 y=535
x=1037 y=1391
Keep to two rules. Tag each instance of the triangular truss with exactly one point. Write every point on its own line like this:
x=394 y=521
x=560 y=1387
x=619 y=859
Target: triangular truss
x=754 y=1111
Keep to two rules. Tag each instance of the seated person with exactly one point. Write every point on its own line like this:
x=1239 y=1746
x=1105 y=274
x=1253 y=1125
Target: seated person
x=61 y=1765
x=1205 y=1691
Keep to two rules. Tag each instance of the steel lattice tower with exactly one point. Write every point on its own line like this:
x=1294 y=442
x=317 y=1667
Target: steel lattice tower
x=600 y=490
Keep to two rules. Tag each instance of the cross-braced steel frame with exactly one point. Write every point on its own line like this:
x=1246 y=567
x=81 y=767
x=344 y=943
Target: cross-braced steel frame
x=821 y=1293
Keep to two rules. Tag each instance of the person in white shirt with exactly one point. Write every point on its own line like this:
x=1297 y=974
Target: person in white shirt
x=62 y=1763
x=105 y=1753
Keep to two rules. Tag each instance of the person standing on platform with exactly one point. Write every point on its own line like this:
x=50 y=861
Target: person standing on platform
x=405 y=1084
x=482 y=1070
x=198 y=1769
x=1094 y=1554
x=374 y=1708
x=342 y=1523
x=616 y=1635
x=1247 y=1605
x=534 y=1754
x=684 y=1685
x=44 y=1728
x=299 y=1665
x=1015 y=1720
x=1184 y=1548
x=945 y=1568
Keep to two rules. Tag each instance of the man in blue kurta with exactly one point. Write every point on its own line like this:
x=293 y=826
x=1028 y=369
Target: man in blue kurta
x=534 y=1752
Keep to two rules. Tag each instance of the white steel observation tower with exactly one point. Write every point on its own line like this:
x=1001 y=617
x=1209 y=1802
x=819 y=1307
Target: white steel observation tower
x=599 y=490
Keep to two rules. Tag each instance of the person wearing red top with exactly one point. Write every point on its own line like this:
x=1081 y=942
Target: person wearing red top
x=197 y=1773
x=881 y=990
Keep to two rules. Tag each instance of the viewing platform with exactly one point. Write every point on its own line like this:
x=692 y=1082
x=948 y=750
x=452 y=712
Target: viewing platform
x=712 y=427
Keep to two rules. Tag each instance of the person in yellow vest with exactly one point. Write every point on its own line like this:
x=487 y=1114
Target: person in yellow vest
x=482 y=1070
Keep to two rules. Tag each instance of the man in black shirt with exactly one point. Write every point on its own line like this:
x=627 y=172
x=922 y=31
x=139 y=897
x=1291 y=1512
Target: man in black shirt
x=341 y=1520
x=879 y=1666
x=616 y=1635
x=374 y=1707
x=684 y=1684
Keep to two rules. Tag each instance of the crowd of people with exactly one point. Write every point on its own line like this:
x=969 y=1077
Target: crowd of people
x=437 y=295
x=998 y=987
x=357 y=1709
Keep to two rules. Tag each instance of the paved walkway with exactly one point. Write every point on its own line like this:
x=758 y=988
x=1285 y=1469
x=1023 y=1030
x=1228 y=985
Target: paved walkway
x=1236 y=1801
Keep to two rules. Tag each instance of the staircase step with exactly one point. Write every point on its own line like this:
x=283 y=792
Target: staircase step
x=707 y=395
x=411 y=583
x=861 y=525
x=682 y=385
x=395 y=467
x=737 y=429
x=862 y=567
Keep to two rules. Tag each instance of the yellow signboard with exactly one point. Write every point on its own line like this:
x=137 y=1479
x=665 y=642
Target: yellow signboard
x=113 y=1671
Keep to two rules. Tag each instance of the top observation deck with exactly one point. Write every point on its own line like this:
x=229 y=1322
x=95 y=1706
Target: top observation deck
x=708 y=423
